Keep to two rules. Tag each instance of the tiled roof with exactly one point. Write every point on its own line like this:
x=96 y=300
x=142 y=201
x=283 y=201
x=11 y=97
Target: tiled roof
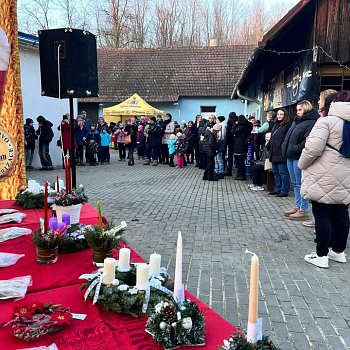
x=162 y=75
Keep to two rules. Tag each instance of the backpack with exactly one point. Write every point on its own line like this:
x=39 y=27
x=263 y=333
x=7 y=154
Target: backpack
x=344 y=150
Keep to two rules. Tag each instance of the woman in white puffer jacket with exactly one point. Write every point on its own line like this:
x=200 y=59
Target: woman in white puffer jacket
x=326 y=182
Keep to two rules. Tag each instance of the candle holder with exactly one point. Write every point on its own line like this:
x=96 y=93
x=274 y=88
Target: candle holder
x=46 y=256
x=123 y=268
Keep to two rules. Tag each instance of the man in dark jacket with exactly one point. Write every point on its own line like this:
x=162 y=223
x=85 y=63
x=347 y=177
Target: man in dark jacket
x=154 y=141
x=210 y=147
x=29 y=138
x=241 y=131
x=232 y=118
x=45 y=134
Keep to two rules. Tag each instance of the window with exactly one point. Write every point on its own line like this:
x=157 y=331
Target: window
x=208 y=109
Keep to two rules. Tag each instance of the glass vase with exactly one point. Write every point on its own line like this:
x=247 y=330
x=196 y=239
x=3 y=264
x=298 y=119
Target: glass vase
x=46 y=256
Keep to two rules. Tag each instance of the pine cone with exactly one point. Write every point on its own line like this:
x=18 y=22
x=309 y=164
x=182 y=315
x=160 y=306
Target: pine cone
x=169 y=314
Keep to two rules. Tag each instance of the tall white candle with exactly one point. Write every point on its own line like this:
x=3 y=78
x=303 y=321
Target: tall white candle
x=31 y=184
x=178 y=286
x=154 y=264
x=124 y=260
x=253 y=300
x=108 y=270
x=142 y=272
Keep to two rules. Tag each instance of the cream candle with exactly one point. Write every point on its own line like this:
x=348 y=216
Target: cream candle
x=142 y=272
x=124 y=260
x=253 y=300
x=108 y=270
x=154 y=264
x=178 y=286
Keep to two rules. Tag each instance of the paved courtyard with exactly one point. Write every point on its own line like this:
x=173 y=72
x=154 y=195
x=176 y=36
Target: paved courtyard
x=302 y=306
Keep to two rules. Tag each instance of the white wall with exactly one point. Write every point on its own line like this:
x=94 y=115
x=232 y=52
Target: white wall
x=34 y=104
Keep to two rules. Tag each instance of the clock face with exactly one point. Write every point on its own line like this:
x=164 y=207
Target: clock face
x=8 y=154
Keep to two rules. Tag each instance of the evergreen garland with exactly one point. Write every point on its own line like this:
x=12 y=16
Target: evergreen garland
x=238 y=341
x=29 y=200
x=124 y=298
x=169 y=329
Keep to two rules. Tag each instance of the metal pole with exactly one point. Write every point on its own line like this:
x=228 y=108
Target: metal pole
x=72 y=143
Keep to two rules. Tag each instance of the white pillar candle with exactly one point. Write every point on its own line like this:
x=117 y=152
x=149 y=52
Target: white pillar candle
x=253 y=300
x=60 y=184
x=108 y=270
x=124 y=260
x=154 y=264
x=31 y=184
x=178 y=286
x=142 y=272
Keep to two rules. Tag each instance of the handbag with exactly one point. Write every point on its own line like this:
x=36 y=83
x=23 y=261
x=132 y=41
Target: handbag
x=128 y=139
x=267 y=165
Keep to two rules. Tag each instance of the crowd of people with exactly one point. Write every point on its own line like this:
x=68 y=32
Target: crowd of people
x=310 y=150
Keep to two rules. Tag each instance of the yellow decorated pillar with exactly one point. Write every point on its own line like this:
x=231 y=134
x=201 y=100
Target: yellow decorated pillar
x=12 y=153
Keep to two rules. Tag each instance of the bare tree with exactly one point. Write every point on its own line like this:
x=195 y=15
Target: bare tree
x=35 y=15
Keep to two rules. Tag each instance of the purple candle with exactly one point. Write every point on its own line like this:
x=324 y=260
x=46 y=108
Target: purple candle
x=53 y=224
x=66 y=219
x=61 y=226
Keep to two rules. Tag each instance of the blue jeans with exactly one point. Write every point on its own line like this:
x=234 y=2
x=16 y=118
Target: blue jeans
x=219 y=163
x=295 y=177
x=44 y=154
x=281 y=175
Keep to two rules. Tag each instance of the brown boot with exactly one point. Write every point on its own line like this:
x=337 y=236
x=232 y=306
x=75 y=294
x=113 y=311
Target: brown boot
x=300 y=215
x=290 y=212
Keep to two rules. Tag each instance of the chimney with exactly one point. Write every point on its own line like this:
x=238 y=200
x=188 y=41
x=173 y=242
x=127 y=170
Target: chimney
x=213 y=41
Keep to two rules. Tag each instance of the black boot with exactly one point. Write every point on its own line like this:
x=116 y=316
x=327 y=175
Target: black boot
x=228 y=172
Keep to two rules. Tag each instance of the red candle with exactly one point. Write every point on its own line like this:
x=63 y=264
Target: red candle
x=66 y=172
x=69 y=176
x=58 y=183
x=46 y=215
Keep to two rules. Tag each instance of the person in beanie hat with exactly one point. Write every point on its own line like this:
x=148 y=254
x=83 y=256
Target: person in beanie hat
x=210 y=148
x=45 y=134
x=93 y=140
x=180 y=150
x=29 y=141
x=154 y=141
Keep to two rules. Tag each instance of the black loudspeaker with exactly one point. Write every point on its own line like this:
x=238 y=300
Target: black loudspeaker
x=76 y=51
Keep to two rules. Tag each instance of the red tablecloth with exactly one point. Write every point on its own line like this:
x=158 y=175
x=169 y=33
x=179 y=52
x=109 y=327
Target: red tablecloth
x=58 y=283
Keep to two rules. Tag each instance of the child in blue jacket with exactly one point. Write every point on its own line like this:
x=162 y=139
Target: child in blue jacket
x=104 y=147
x=171 y=146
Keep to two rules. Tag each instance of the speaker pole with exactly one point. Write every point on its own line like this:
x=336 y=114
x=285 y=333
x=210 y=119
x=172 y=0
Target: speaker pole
x=72 y=142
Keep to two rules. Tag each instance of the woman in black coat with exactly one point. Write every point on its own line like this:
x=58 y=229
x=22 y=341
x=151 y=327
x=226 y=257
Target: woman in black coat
x=292 y=147
x=241 y=130
x=131 y=130
x=279 y=162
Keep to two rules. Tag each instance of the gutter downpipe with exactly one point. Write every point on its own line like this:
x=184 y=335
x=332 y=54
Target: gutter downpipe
x=246 y=99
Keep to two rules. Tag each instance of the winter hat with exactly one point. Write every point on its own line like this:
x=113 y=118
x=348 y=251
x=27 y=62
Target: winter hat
x=216 y=127
x=153 y=118
x=104 y=128
x=179 y=135
x=40 y=119
x=28 y=121
x=92 y=125
x=140 y=128
x=172 y=137
x=221 y=118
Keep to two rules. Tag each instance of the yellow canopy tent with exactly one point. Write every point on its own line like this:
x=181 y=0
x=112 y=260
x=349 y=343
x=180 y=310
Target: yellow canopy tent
x=133 y=106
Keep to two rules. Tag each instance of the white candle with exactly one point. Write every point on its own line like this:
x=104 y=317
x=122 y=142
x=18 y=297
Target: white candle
x=31 y=184
x=154 y=264
x=108 y=270
x=60 y=185
x=253 y=300
x=124 y=260
x=178 y=286
x=142 y=272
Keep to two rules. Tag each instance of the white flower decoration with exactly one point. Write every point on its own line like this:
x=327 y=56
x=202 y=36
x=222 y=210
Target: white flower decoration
x=123 y=287
x=133 y=290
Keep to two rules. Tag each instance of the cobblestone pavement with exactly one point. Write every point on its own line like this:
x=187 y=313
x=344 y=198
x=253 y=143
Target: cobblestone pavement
x=302 y=306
